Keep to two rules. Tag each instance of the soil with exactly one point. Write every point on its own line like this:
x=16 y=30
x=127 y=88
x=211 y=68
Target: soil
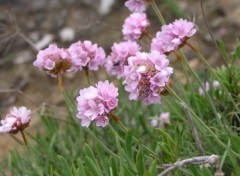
x=22 y=84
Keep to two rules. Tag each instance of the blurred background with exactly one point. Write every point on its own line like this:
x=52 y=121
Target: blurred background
x=27 y=25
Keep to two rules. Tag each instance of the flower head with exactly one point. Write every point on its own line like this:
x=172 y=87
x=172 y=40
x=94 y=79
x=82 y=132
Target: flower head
x=146 y=76
x=54 y=60
x=95 y=103
x=173 y=36
x=136 y=5
x=134 y=26
x=87 y=54
x=17 y=119
x=118 y=58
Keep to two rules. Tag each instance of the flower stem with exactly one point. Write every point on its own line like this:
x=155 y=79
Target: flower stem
x=115 y=118
x=157 y=11
x=60 y=81
x=24 y=138
x=147 y=35
x=86 y=71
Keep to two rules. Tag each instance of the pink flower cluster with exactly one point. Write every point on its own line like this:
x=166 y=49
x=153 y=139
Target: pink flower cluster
x=134 y=26
x=173 y=36
x=54 y=60
x=146 y=76
x=18 y=119
x=119 y=55
x=136 y=5
x=86 y=54
x=95 y=103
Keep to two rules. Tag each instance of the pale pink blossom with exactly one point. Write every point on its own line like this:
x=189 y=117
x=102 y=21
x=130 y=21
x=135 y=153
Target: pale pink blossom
x=96 y=103
x=146 y=76
x=136 y=5
x=134 y=26
x=86 y=54
x=164 y=119
x=54 y=60
x=173 y=36
x=17 y=119
x=206 y=87
x=216 y=84
x=119 y=55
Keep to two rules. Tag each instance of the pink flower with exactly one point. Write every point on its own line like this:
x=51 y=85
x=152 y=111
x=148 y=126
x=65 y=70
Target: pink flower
x=18 y=119
x=134 y=26
x=54 y=60
x=87 y=54
x=118 y=58
x=164 y=119
x=146 y=76
x=216 y=84
x=136 y=5
x=173 y=36
x=95 y=103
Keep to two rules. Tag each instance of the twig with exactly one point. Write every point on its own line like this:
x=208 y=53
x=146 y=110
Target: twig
x=193 y=129
x=212 y=159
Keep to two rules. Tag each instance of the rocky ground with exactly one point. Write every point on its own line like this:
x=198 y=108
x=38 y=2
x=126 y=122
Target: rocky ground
x=42 y=22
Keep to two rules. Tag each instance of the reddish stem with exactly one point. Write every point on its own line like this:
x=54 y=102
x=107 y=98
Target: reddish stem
x=147 y=35
x=114 y=117
x=60 y=81
x=24 y=137
x=178 y=55
x=192 y=47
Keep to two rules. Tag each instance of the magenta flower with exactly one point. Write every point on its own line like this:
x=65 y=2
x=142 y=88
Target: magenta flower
x=146 y=76
x=136 y=5
x=54 y=60
x=18 y=119
x=87 y=54
x=173 y=36
x=96 y=103
x=118 y=58
x=134 y=26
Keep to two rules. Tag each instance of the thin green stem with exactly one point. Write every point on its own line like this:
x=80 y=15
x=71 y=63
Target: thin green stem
x=87 y=74
x=138 y=141
x=103 y=145
x=191 y=88
x=157 y=11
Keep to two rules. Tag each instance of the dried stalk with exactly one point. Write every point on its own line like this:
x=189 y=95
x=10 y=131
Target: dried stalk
x=212 y=159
